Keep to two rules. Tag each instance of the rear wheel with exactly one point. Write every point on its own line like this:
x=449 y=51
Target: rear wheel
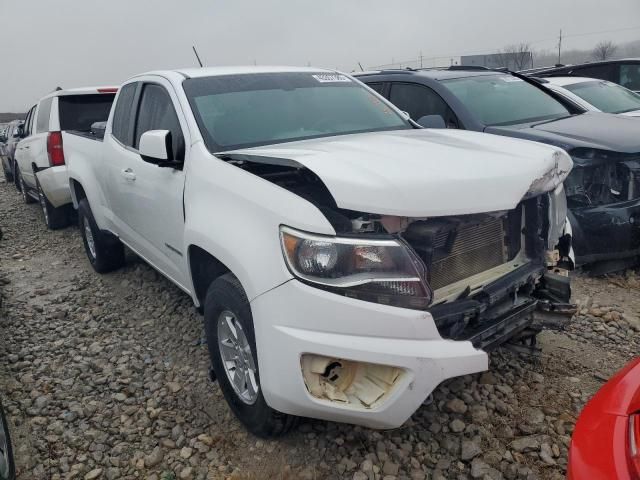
x=232 y=348
x=54 y=218
x=104 y=250
x=26 y=198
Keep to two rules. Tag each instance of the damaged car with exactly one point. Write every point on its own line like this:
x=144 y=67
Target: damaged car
x=603 y=190
x=346 y=260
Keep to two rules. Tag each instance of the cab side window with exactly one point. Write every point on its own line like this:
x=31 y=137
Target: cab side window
x=156 y=112
x=122 y=127
x=378 y=87
x=419 y=100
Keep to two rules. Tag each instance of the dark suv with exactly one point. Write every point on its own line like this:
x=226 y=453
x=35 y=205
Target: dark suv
x=625 y=72
x=603 y=190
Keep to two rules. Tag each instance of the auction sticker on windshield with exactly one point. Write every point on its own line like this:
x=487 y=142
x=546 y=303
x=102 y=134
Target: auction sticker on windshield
x=330 y=77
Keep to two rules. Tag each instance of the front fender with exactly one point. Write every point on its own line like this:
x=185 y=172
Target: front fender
x=235 y=216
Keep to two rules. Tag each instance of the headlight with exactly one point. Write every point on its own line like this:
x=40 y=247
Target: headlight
x=553 y=177
x=380 y=271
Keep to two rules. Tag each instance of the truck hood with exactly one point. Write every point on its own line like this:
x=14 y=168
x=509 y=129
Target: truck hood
x=423 y=173
x=633 y=113
x=602 y=131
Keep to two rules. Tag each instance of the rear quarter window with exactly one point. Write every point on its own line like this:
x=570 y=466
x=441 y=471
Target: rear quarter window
x=79 y=112
x=44 y=113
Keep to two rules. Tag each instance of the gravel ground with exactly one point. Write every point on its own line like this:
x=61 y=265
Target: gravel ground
x=106 y=377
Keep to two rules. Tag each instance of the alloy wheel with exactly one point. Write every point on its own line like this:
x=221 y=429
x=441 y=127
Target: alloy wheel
x=88 y=235
x=237 y=358
x=43 y=204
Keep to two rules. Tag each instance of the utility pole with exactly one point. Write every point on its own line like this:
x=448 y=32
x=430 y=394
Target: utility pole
x=421 y=57
x=559 y=46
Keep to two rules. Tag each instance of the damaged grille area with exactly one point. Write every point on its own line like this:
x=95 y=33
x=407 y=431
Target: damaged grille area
x=474 y=249
x=460 y=247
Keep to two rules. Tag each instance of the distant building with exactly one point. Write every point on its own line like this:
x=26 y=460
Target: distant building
x=512 y=61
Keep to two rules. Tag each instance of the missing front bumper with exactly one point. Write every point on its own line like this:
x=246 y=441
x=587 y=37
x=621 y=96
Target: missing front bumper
x=518 y=302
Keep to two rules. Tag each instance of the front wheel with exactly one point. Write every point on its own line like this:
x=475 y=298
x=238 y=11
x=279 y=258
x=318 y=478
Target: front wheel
x=104 y=251
x=232 y=348
x=54 y=218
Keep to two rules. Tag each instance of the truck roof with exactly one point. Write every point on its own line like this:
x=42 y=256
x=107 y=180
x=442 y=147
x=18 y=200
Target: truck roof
x=82 y=91
x=234 y=70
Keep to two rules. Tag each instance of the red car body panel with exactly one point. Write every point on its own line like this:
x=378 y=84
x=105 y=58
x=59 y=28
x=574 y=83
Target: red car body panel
x=600 y=444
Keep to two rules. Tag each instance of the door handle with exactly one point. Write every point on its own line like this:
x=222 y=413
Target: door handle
x=27 y=146
x=128 y=174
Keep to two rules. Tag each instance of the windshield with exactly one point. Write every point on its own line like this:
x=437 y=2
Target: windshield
x=606 y=96
x=505 y=100
x=247 y=110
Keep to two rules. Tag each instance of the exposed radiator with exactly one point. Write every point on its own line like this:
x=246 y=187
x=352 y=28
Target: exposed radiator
x=466 y=251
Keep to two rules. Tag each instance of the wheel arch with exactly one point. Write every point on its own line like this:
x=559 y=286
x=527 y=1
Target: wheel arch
x=204 y=268
x=77 y=192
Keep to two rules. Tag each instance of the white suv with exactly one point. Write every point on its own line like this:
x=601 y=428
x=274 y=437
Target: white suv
x=41 y=172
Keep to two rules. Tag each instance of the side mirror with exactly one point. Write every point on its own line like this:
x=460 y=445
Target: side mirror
x=155 y=146
x=432 y=121
x=19 y=133
x=3 y=137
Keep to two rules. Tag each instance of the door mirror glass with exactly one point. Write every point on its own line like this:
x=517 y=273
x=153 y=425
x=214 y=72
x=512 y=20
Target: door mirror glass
x=432 y=121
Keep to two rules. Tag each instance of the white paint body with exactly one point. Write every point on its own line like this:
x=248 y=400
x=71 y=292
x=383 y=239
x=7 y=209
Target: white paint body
x=31 y=152
x=558 y=85
x=235 y=216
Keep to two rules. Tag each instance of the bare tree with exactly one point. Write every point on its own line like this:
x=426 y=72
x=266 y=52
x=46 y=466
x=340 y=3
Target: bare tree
x=604 y=50
x=516 y=57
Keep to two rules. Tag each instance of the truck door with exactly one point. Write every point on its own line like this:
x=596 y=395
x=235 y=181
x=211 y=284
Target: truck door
x=150 y=203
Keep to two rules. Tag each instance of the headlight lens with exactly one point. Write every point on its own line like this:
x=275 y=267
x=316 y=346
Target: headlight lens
x=381 y=271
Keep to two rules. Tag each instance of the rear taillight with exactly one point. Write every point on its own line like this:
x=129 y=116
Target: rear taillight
x=54 y=149
x=634 y=445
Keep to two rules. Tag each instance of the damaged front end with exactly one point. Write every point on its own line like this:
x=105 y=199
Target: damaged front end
x=484 y=278
x=603 y=194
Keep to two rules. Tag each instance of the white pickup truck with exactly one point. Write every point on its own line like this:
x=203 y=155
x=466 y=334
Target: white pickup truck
x=346 y=260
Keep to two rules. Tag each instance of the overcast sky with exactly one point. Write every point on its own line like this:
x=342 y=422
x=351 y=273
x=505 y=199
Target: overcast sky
x=71 y=43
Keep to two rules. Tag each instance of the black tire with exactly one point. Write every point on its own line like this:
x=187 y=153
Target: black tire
x=26 y=198
x=54 y=218
x=107 y=253
x=226 y=294
x=8 y=470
